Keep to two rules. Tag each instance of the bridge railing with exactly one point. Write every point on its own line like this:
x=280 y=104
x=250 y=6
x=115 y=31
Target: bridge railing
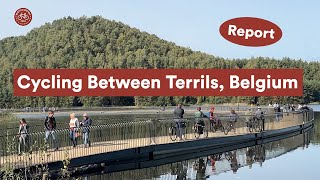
x=126 y=135
x=13 y=128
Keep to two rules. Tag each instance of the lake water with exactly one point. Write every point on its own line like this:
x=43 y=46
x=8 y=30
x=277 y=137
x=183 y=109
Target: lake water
x=293 y=158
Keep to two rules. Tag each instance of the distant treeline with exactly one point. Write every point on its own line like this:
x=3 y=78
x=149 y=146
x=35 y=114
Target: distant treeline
x=99 y=43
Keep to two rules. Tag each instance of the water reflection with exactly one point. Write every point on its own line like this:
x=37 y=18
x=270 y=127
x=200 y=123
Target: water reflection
x=315 y=136
x=215 y=164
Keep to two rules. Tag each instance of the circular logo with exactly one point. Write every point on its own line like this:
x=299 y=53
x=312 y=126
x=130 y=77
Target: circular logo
x=23 y=16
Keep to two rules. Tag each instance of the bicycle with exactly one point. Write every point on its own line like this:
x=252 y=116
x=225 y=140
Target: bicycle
x=216 y=157
x=250 y=124
x=23 y=16
x=197 y=129
x=173 y=132
x=228 y=155
x=229 y=127
x=216 y=125
x=256 y=124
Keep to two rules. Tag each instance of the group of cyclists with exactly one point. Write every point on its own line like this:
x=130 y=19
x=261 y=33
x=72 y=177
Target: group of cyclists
x=254 y=121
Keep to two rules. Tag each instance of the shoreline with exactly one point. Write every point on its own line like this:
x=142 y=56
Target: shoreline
x=131 y=110
x=112 y=112
x=189 y=110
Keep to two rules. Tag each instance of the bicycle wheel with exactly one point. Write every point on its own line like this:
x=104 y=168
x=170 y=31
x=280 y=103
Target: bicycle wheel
x=212 y=127
x=195 y=132
x=226 y=130
x=257 y=126
x=173 y=133
x=249 y=126
x=221 y=128
x=251 y=129
x=260 y=125
x=205 y=132
x=217 y=157
x=233 y=127
x=185 y=133
x=228 y=155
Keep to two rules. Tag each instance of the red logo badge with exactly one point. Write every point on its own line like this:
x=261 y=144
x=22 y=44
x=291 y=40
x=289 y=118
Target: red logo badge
x=250 y=31
x=23 y=16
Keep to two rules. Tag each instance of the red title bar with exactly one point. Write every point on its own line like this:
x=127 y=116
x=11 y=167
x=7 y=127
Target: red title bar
x=158 y=82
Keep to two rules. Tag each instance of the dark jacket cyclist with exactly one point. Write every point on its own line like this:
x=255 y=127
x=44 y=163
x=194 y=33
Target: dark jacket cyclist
x=199 y=120
x=180 y=125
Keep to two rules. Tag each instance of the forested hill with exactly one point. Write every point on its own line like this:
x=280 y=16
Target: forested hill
x=99 y=43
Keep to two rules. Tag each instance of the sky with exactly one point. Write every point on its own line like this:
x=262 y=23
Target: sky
x=190 y=23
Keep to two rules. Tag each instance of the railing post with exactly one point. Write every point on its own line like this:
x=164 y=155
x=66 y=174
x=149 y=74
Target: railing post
x=263 y=123
x=152 y=129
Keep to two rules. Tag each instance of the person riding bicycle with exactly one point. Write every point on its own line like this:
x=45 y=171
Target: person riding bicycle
x=249 y=118
x=248 y=114
x=199 y=120
x=215 y=121
x=211 y=113
x=180 y=124
x=233 y=117
x=258 y=114
x=211 y=117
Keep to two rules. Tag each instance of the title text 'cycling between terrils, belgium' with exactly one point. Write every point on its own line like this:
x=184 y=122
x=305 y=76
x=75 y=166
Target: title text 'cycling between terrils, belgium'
x=204 y=82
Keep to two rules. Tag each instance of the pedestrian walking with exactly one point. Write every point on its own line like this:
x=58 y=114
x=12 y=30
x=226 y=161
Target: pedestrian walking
x=73 y=127
x=50 y=127
x=180 y=124
x=85 y=124
x=23 y=136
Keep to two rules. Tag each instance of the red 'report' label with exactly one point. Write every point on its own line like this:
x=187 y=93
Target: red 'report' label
x=158 y=82
x=250 y=31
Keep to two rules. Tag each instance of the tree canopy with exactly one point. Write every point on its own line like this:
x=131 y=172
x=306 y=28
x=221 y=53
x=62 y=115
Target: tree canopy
x=99 y=43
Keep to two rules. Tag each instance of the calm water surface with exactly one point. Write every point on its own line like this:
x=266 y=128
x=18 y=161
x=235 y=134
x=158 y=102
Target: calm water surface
x=294 y=158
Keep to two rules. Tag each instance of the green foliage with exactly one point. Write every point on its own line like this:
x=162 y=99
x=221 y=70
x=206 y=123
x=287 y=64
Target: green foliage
x=99 y=43
x=8 y=117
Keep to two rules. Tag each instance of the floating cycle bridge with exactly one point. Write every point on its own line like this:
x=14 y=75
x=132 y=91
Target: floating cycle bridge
x=147 y=141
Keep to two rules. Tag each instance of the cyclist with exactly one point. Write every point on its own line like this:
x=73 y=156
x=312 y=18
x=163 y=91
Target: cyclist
x=233 y=117
x=180 y=125
x=199 y=120
x=277 y=108
x=211 y=117
x=249 y=119
x=259 y=113
x=211 y=113
x=199 y=113
x=248 y=113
